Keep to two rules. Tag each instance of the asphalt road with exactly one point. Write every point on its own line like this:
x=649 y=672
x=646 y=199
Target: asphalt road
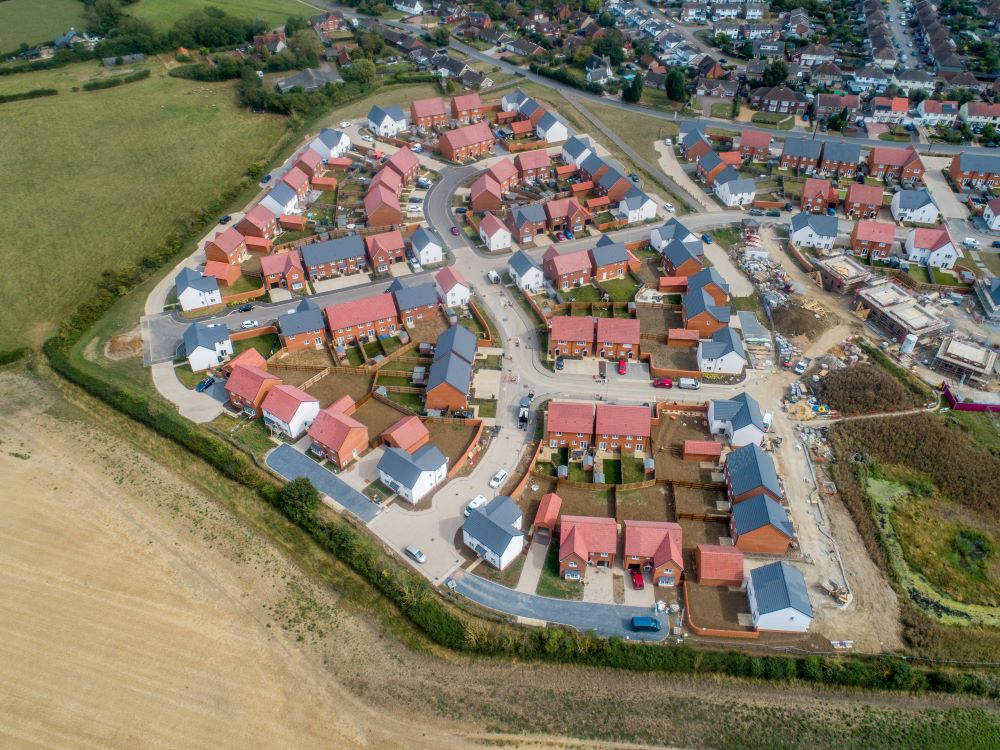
x=291 y=465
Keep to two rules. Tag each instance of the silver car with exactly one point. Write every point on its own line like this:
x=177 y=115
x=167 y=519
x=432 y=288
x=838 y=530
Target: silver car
x=415 y=553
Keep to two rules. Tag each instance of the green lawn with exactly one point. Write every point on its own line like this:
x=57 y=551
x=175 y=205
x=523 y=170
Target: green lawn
x=487 y=407
x=722 y=109
x=163 y=13
x=550 y=584
x=773 y=120
x=581 y=294
x=491 y=362
x=727 y=237
x=632 y=470
x=34 y=21
x=410 y=400
x=175 y=146
x=612 y=471
x=265 y=344
x=508 y=577
x=620 y=290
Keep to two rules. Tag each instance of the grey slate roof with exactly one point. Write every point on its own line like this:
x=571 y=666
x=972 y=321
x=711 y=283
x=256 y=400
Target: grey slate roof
x=330 y=137
x=848 y=153
x=517 y=97
x=752 y=328
x=823 y=225
x=710 y=161
x=635 y=198
x=609 y=252
x=677 y=253
x=282 y=193
x=742 y=410
x=750 y=467
x=522 y=263
x=410 y=297
x=610 y=178
x=332 y=251
x=705 y=277
x=779 y=586
x=405 y=468
x=493 y=523
x=547 y=120
x=450 y=369
x=800 y=147
x=188 y=278
x=309 y=80
x=698 y=302
x=424 y=237
x=202 y=335
x=672 y=228
x=457 y=340
x=531 y=213
x=529 y=106
x=691 y=137
x=760 y=511
x=915 y=198
x=736 y=184
x=577 y=145
x=306 y=318
x=973 y=162
x=380 y=114
x=724 y=341
x=592 y=163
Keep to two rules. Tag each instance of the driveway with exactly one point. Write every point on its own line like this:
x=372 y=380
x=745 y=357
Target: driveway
x=672 y=168
x=603 y=619
x=291 y=465
x=198 y=407
x=951 y=207
x=534 y=562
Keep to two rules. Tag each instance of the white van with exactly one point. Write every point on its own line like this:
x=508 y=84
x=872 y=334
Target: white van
x=689 y=383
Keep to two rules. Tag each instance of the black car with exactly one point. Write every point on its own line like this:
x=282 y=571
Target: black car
x=205 y=384
x=634 y=177
x=265 y=179
x=774 y=212
x=461 y=210
x=225 y=219
x=246 y=308
x=755 y=212
x=559 y=363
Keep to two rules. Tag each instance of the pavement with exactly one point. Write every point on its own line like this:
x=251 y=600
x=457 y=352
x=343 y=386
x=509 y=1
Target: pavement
x=673 y=169
x=534 y=562
x=602 y=619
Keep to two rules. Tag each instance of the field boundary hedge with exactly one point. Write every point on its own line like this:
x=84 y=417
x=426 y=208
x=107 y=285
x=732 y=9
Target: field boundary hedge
x=110 y=83
x=32 y=94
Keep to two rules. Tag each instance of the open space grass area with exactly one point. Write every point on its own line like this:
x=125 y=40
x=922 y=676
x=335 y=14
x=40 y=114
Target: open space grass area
x=175 y=146
x=620 y=290
x=163 y=13
x=992 y=260
x=637 y=130
x=249 y=434
x=649 y=504
x=451 y=438
x=508 y=577
x=727 y=237
x=386 y=96
x=550 y=584
x=773 y=120
x=34 y=21
x=658 y=99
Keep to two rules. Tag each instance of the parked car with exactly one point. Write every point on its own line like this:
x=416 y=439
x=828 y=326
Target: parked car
x=225 y=219
x=368 y=139
x=205 y=384
x=668 y=142
x=423 y=182
x=569 y=234
x=345 y=124
x=646 y=624
x=265 y=179
x=477 y=502
x=461 y=210
x=416 y=148
x=416 y=553
x=499 y=478
x=756 y=212
x=663 y=383
x=560 y=236
x=455 y=231
x=970 y=242
x=707 y=239
x=773 y=212
x=800 y=367
x=831 y=211
x=637 y=583
x=633 y=176
x=559 y=363
x=248 y=324
x=668 y=207
x=622 y=367
x=247 y=307
x=996 y=243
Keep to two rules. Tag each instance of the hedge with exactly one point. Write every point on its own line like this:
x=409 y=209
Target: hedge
x=33 y=94
x=110 y=83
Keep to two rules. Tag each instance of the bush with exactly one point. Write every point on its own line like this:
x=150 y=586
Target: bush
x=863 y=389
x=110 y=83
x=33 y=94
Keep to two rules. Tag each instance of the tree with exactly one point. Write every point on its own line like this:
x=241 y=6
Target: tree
x=582 y=53
x=988 y=134
x=306 y=47
x=592 y=6
x=363 y=71
x=440 y=37
x=776 y=73
x=612 y=46
x=295 y=23
x=676 y=85
x=298 y=500
x=511 y=10
x=632 y=90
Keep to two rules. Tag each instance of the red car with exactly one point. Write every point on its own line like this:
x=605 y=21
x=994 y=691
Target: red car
x=560 y=236
x=622 y=367
x=637 y=582
x=663 y=383
x=455 y=231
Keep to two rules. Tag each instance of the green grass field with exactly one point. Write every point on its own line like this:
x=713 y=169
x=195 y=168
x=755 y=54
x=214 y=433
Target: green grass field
x=35 y=21
x=86 y=202
x=163 y=13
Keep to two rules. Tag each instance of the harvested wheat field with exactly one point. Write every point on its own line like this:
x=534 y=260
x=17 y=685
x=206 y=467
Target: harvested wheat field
x=141 y=610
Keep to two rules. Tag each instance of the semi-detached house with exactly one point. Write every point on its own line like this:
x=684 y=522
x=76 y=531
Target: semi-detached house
x=570 y=425
x=429 y=113
x=337 y=257
x=622 y=429
x=467 y=142
x=571 y=336
x=801 y=154
x=618 y=338
x=975 y=169
x=303 y=327
x=360 y=319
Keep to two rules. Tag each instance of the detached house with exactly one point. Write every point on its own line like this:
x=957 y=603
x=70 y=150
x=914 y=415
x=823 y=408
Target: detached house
x=425 y=247
x=384 y=249
x=207 y=346
x=568 y=269
x=598 y=70
x=283 y=271
x=657 y=547
x=413 y=476
x=493 y=531
x=450 y=375
x=734 y=190
x=525 y=272
x=331 y=144
x=739 y=419
x=452 y=287
x=873 y=239
x=723 y=354
x=405 y=164
x=527 y=221
x=755 y=145
x=817 y=195
x=862 y=201
x=552 y=128
x=486 y=194
x=814 y=230
x=195 y=291
x=381 y=206
x=387 y=121
x=701 y=313
x=779 y=600
x=228 y=247
x=693 y=144
x=280 y=200
x=494 y=233
x=749 y=471
x=259 y=222
x=337 y=436
x=565 y=215
x=931 y=247
x=289 y=410
x=586 y=541
x=914 y=207
x=467 y=142
x=532 y=166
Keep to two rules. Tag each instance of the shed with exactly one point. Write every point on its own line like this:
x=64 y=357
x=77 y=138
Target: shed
x=702 y=450
x=718 y=566
x=548 y=513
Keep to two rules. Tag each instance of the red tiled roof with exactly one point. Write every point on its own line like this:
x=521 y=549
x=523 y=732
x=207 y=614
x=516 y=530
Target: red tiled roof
x=612 y=419
x=478 y=132
x=429 y=107
x=598 y=202
x=258 y=242
x=682 y=334
x=292 y=221
x=931 y=238
x=503 y=170
x=581 y=535
x=548 y=510
x=380 y=196
x=249 y=358
x=402 y=161
x=732 y=158
x=816 y=188
x=869 y=194
x=339 y=162
x=659 y=540
x=247 y=380
x=448 y=278
x=618 y=330
x=296 y=179
x=407 y=432
x=571 y=262
x=934 y=107
x=364 y=310
x=562 y=208
x=332 y=428
x=566 y=170
x=875 y=231
x=719 y=563
x=531 y=160
x=466 y=101
x=755 y=139
x=673 y=283
x=283 y=401
x=228 y=240
x=702 y=447
x=492 y=224
x=281 y=262
x=384 y=242
x=388 y=177
x=485 y=184
x=344 y=404
x=895 y=103
x=982 y=109
x=219 y=270
x=572 y=328
x=896 y=157
x=571 y=417
x=521 y=127
x=311 y=159
x=259 y=216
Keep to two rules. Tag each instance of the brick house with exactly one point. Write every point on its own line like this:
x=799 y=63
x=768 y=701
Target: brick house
x=702 y=314
x=364 y=318
x=568 y=269
x=710 y=281
x=900 y=164
x=228 y=247
x=586 y=541
x=570 y=425
x=429 y=113
x=862 y=201
x=404 y=163
x=467 y=142
x=247 y=387
x=622 y=429
x=761 y=525
x=505 y=173
x=801 y=154
x=609 y=260
x=298 y=181
x=258 y=222
x=618 y=338
x=466 y=107
x=750 y=471
x=532 y=166
x=654 y=546
x=450 y=375
x=679 y=260
x=485 y=194
x=817 y=195
x=328 y=258
x=225 y=274
x=565 y=214
x=387 y=178
x=978 y=170
x=755 y=145
x=693 y=144
x=779 y=99
x=303 y=327
x=283 y=271
x=525 y=222
x=336 y=435
x=382 y=207
x=384 y=249
x=840 y=159
x=873 y=239
x=831 y=105
x=311 y=163
x=571 y=336
x=416 y=304
x=613 y=184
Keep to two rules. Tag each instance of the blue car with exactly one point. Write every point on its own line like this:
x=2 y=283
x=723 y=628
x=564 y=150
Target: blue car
x=205 y=384
x=707 y=239
x=569 y=234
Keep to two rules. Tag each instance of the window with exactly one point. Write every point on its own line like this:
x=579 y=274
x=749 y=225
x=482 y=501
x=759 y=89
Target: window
x=573 y=564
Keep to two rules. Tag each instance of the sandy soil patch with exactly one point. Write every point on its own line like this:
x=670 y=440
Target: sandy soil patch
x=124 y=345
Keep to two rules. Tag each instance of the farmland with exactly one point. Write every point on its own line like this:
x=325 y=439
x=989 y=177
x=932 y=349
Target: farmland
x=35 y=21
x=163 y=13
x=177 y=146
